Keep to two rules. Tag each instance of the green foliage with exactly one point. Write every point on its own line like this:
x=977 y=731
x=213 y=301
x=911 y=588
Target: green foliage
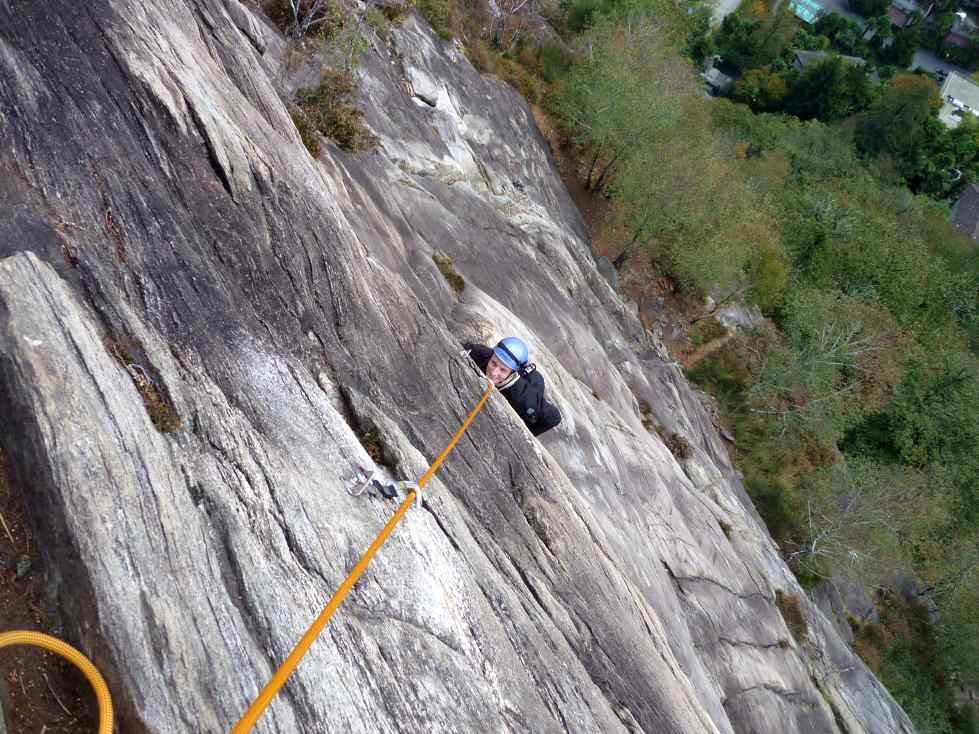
x=306 y=129
x=379 y=21
x=373 y=445
x=959 y=633
x=637 y=108
x=769 y=276
x=578 y=14
x=915 y=688
x=699 y=43
x=806 y=41
x=902 y=125
x=856 y=421
x=763 y=89
x=934 y=33
x=314 y=20
x=896 y=124
x=773 y=503
x=870 y=8
x=906 y=42
x=438 y=13
x=905 y=654
x=858 y=416
x=839 y=358
x=624 y=90
x=324 y=108
x=829 y=91
x=554 y=62
x=755 y=36
x=845 y=34
x=934 y=416
x=883 y=31
x=735 y=41
x=705 y=331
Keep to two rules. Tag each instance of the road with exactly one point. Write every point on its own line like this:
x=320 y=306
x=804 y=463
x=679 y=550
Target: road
x=722 y=9
x=929 y=61
x=842 y=7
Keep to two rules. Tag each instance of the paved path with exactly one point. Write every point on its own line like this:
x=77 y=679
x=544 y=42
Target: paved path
x=842 y=7
x=722 y=9
x=929 y=61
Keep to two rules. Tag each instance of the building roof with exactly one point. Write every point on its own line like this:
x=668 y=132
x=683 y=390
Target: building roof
x=909 y=6
x=898 y=17
x=717 y=79
x=960 y=96
x=807 y=10
x=957 y=39
x=965 y=213
x=805 y=58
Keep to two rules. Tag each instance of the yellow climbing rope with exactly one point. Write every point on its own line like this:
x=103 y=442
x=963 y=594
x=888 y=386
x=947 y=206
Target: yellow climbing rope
x=81 y=662
x=285 y=670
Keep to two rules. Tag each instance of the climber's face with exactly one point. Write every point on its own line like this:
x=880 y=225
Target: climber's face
x=497 y=371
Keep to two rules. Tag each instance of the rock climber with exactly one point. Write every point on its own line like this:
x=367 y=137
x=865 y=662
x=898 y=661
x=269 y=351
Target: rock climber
x=508 y=366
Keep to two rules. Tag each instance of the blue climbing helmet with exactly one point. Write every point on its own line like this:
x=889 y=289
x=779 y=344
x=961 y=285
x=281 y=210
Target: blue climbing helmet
x=512 y=352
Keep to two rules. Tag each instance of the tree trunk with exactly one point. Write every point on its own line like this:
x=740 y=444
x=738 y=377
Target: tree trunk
x=591 y=169
x=621 y=258
x=605 y=171
x=629 y=249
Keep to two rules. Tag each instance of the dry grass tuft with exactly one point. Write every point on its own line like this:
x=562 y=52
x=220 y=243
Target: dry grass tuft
x=795 y=619
x=444 y=263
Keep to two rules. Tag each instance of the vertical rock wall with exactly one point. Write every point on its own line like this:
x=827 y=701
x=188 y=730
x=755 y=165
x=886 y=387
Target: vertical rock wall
x=171 y=253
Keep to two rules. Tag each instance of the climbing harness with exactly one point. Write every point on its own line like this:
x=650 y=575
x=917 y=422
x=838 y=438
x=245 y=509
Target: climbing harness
x=286 y=669
x=52 y=644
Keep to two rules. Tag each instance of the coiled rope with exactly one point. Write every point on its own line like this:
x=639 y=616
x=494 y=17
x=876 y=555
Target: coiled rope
x=52 y=644
x=285 y=670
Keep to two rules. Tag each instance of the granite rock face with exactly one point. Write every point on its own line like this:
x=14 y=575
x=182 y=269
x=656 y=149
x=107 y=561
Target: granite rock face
x=172 y=257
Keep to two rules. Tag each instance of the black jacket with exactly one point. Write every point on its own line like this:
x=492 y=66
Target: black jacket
x=526 y=395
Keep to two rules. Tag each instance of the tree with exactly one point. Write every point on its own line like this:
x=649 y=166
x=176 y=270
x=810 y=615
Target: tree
x=699 y=44
x=933 y=35
x=896 y=122
x=305 y=17
x=674 y=203
x=930 y=157
x=934 y=416
x=883 y=30
x=840 y=357
x=906 y=42
x=829 y=91
x=762 y=88
x=867 y=520
x=626 y=89
x=773 y=34
x=807 y=41
x=735 y=41
x=508 y=25
x=870 y=8
x=755 y=37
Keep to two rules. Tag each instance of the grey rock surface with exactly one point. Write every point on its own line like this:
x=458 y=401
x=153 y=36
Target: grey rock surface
x=166 y=234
